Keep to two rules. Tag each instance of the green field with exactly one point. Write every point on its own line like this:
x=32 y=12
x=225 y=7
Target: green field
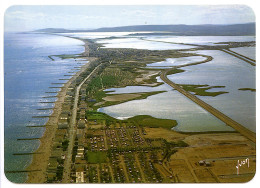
x=201 y=90
x=141 y=120
x=175 y=71
x=149 y=121
x=247 y=89
x=96 y=157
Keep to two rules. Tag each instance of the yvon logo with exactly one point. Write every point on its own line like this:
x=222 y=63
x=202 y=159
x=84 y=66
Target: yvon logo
x=240 y=163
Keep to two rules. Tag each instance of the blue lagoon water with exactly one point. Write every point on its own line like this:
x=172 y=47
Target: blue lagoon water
x=231 y=72
x=223 y=70
x=169 y=105
x=246 y=51
x=202 y=40
x=28 y=74
x=177 y=61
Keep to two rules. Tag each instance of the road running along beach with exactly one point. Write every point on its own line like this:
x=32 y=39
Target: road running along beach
x=41 y=161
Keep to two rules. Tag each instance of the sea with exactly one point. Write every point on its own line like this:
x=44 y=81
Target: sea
x=30 y=68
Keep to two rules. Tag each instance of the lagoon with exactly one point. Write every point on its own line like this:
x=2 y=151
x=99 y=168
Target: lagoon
x=203 y=40
x=177 y=61
x=137 y=43
x=169 y=105
x=246 y=51
x=231 y=72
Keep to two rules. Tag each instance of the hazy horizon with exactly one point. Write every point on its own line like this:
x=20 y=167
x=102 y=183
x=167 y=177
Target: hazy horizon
x=139 y=25
x=29 y=18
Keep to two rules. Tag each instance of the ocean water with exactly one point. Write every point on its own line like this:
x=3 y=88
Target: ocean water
x=28 y=74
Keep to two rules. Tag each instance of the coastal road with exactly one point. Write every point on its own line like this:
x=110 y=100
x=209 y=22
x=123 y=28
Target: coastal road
x=238 y=127
x=72 y=130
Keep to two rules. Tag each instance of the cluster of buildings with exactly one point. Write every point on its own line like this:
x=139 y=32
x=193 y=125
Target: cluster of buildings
x=117 y=153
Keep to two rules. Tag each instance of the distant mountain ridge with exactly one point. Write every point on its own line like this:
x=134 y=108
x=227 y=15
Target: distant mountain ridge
x=191 y=30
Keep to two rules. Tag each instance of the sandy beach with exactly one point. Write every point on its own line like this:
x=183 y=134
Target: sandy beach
x=40 y=161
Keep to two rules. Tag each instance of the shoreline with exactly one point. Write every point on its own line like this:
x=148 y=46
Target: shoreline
x=41 y=161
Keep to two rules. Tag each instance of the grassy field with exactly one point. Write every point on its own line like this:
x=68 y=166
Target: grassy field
x=175 y=71
x=142 y=96
x=201 y=90
x=99 y=117
x=141 y=120
x=149 y=121
x=112 y=78
x=96 y=157
x=247 y=89
x=69 y=56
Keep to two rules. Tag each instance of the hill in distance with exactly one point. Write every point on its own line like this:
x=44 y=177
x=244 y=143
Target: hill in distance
x=187 y=30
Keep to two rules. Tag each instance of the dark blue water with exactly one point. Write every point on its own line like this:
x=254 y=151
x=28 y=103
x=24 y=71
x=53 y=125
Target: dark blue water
x=28 y=74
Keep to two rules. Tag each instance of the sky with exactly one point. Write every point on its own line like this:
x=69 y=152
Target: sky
x=28 y=18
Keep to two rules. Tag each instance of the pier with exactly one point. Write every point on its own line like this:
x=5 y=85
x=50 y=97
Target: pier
x=44 y=109
x=36 y=126
x=18 y=139
x=32 y=153
x=50 y=96
x=22 y=171
x=42 y=116
x=51 y=92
